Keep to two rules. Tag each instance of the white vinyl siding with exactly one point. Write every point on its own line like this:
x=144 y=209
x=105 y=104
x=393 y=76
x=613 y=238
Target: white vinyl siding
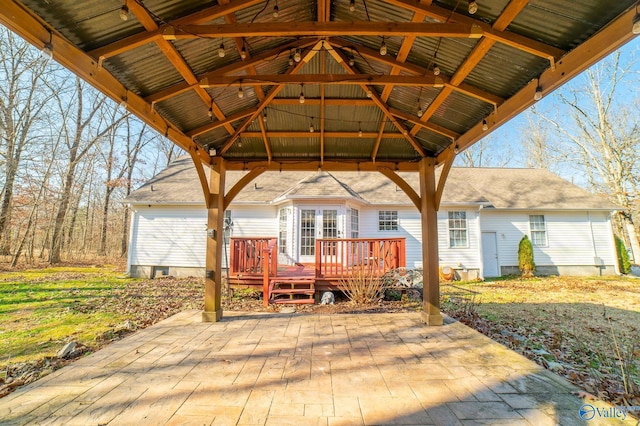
x=569 y=238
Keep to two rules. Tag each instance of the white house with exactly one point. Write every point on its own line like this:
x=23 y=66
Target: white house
x=483 y=216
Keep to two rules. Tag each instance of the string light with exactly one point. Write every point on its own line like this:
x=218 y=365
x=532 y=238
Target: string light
x=456 y=149
x=264 y=117
x=301 y=94
x=243 y=53
x=538 y=95
x=352 y=5
x=420 y=112
x=436 y=69
x=290 y=58
x=296 y=56
x=311 y=129
x=124 y=12
x=359 y=129
x=221 y=50
x=352 y=60
x=240 y=92
x=210 y=113
x=473 y=7
x=485 y=126
x=47 y=51
x=276 y=10
x=369 y=93
x=383 y=48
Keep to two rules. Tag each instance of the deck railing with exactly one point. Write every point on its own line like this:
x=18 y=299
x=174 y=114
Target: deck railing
x=337 y=258
x=247 y=254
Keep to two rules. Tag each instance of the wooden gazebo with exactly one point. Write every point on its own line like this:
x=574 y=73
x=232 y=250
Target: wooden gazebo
x=376 y=85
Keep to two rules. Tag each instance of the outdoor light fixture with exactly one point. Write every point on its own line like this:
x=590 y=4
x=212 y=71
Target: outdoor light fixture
x=636 y=23
x=473 y=7
x=369 y=93
x=456 y=149
x=210 y=112
x=276 y=10
x=538 y=95
x=311 y=129
x=264 y=117
x=485 y=126
x=383 y=48
x=296 y=56
x=221 y=51
x=420 y=112
x=301 y=94
x=436 y=69
x=352 y=60
x=243 y=53
x=359 y=129
x=124 y=12
x=290 y=58
x=47 y=51
x=240 y=92
x=352 y=5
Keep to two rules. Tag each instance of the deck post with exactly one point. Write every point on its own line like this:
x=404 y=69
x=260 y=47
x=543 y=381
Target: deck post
x=213 y=276
x=431 y=280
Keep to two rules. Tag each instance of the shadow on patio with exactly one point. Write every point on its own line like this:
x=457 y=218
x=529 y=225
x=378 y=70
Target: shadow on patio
x=280 y=369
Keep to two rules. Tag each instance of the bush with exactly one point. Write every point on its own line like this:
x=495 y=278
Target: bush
x=623 y=256
x=525 y=257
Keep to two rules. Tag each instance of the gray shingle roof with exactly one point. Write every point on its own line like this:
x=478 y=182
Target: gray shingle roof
x=499 y=188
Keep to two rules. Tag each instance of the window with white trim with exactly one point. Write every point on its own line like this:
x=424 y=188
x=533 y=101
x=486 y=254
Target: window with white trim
x=458 y=229
x=282 y=230
x=538 y=228
x=387 y=220
x=354 y=217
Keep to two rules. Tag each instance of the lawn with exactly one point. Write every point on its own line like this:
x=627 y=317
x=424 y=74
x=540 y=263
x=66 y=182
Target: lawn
x=585 y=329
x=42 y=310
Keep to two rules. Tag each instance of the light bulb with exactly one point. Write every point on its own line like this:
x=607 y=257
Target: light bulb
x=276 y=11
x=636 y=24
x=210 y=113
x=124 y=13
x=369 y=94
x=243 y=53
x=290 y=59
x=301 y=97
x=436 y=69
x=538 y=95
x=420 y=112
x=264 y=118
x=296 y=56
x=221 y=51
x=383 y=48
x=473 y=7
x=311 y=129
x=47 y=51
x=240 y=92
x=360 y=133
x=352 y=61
x=485 y=126
x=352 y=5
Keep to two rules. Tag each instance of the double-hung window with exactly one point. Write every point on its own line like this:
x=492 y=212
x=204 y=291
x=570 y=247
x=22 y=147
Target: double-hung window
x=538 y=229
x=458 y=230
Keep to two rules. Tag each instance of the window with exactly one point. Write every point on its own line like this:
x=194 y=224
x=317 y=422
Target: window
x=307 y=232
x=355 y=223
x=538 y=230
x=227 y=226
x=458 y=229
x=282 y=230
x=387 y=220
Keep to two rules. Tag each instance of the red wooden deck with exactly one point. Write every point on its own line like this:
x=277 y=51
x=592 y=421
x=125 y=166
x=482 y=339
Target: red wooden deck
x=253 y=264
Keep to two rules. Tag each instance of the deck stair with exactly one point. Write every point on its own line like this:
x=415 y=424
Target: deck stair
x=295 y=290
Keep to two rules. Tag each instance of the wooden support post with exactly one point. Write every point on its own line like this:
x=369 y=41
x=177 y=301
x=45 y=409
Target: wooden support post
x=431 y=280
x=213 y=277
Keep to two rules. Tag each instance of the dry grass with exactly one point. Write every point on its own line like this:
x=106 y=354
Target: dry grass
x=363 y=287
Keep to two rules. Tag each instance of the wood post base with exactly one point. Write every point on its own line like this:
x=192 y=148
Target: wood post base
x=214 y=316
x=432 y=319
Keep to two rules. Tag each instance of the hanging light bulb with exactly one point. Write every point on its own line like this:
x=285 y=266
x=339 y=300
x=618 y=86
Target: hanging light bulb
x=239 y=143
x=301 y=97
x=276 y=10
x=311 y=129
x=221 y=51
x=296 y=56
x=264 y=117
x=383 y=48
x=538 y=95
x=485 y=126
x=47 y=51
x=369 y=93
x=359 y=129
x=352 y=5
x=243 y=53
x=240 y=92
x=210 y=112
x=420 y=112
x=124 y=13
x=636 y=23
x=352 y=60
x=436 y=69
x=473 y=7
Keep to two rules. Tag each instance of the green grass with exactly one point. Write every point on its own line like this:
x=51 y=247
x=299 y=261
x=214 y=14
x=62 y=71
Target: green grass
x=42 y=309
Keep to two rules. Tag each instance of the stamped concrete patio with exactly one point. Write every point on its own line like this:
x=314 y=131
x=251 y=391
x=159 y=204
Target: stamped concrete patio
x=298 y=369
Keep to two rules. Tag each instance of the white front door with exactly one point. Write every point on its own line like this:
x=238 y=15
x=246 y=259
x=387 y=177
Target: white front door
x=490 y=255
x=317 y=223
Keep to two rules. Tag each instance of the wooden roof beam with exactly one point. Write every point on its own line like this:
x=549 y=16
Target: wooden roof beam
x=376 y=146
x=334 y=135
x=324 y=29
x=332 y=79
x=306 y=164
x=220 y=123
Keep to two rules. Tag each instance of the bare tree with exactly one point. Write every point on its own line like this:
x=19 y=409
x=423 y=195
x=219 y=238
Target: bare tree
x=600 y=136
x=22 y=73
x=482 y=154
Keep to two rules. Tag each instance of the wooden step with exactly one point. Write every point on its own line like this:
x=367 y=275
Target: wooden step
x=293 y=291
x=293 y=301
